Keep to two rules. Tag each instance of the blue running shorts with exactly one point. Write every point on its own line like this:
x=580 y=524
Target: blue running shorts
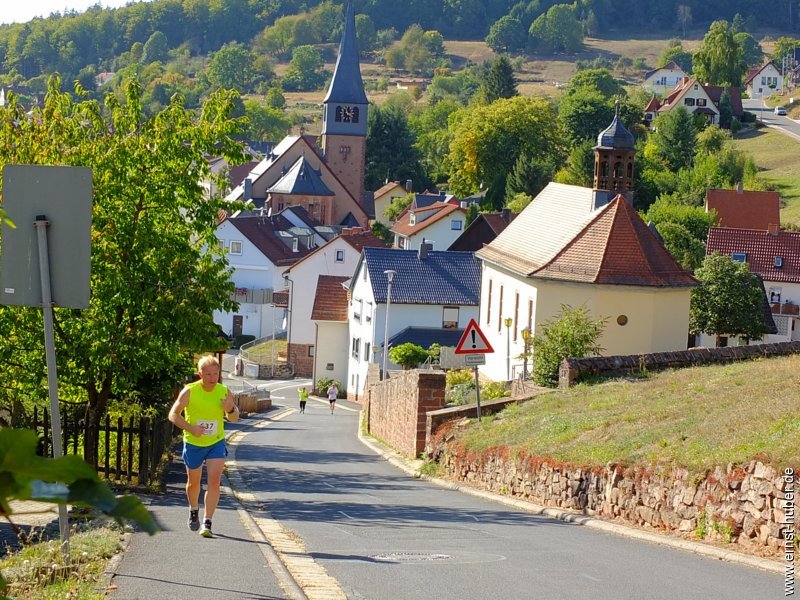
x=194 y=456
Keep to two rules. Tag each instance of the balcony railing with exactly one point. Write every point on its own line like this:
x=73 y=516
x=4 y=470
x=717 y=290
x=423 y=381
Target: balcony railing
x=785 y=308
x=245 y=295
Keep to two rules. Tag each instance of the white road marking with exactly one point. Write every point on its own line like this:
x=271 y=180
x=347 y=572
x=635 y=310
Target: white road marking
x=328 y=484
x=346 y=515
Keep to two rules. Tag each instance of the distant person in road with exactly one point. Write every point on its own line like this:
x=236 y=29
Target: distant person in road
x=205 y=404
x=333 y=392
x=303 y=398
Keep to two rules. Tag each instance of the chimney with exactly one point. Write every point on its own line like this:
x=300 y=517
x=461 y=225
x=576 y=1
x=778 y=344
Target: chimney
x=345 y=231
x=409 y=186
x=424 y=248
x=773 y=229
x=505 y=214
x=463 y=204
x=248 y=189
x=739 y=188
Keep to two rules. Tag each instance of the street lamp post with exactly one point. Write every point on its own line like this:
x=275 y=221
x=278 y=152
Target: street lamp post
x=389 y=275
x=526 y=338
x=507 y=321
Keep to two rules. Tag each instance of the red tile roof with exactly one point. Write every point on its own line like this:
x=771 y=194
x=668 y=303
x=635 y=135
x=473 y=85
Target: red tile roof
x=653 y=105
x=761 y=248
x=617 y=248
x=440 y=210
x=745 y=210
x=387 y=188
x=363 y=239
x=497 y=221
x=330 y=301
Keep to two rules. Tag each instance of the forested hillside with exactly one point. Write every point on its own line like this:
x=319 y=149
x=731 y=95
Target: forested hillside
x=79 y=45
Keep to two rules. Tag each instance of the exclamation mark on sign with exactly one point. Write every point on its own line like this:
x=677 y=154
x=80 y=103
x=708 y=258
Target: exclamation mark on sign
x=474 y=345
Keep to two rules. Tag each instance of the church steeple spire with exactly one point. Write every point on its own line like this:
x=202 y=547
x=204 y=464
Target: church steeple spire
x=346 y=85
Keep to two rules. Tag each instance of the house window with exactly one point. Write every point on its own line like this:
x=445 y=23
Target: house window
x=340 y=256
x=455 y=225
x=723 y=341
x=366 y=351
x=356 y=346
x=778 y=262
x=295 y=244
x=236 y=247
x=401 y=242
x=368 y=314
x=763 y=80
x=688 y=101
x=775 y=295
x=489 y=304
x=739 y=256
x=311 y=351
x=450 y=317
x=500 y=311
x=701 y=102
x=358 y=306
x=329 y=366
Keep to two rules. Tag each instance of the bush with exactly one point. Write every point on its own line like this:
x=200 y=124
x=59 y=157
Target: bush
x=570 y=333
x=408 y=355
x=460 y=394
x=323 y=383
x=736 y=125
x=494 y=389
x=459 y=376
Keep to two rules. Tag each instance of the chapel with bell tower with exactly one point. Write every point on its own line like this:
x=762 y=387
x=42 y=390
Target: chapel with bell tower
x=344 y=119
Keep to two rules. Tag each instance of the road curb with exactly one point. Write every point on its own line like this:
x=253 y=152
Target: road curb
x=412 y=468
x=308 y=578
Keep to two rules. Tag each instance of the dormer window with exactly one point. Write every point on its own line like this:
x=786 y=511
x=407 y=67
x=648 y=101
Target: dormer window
x=412 y=219
x=295 y=244
x=778 y=263
x=739 y=256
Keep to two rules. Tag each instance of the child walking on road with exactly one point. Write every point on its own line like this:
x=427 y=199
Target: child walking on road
x=333 y=392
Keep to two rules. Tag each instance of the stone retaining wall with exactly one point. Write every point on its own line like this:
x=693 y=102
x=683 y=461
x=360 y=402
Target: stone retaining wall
x=572 y=369
x=742 y=505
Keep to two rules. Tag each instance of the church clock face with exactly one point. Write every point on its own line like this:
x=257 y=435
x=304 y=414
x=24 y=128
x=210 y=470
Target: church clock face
x=347 y=114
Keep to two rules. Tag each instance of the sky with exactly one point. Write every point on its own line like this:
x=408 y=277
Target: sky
x=19 y=11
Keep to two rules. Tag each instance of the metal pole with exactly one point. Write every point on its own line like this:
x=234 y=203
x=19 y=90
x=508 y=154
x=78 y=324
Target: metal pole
x=41 y=224
x=478 y=392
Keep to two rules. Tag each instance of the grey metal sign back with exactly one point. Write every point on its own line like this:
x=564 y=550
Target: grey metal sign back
x=63 y=195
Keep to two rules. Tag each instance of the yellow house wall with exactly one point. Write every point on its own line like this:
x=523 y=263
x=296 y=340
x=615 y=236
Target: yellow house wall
x=657 y=318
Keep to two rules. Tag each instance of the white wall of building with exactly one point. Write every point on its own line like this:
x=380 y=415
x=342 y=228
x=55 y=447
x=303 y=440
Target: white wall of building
x=330 y=358
x=441 y=233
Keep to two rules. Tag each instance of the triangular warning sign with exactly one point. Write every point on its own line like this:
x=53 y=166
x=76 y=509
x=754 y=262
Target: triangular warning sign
x=473 y=341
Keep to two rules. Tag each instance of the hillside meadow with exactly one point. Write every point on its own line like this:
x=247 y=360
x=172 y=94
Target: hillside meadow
x=696 y=417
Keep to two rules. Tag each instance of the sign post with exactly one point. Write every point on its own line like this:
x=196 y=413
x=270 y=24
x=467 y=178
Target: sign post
x=60 y=197
x=474 y=346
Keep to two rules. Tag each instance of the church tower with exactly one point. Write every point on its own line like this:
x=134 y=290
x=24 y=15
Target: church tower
x=344 y=120
x=613 y=163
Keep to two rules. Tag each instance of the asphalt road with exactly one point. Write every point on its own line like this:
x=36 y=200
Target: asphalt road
x=770 y=119
x=384 y=535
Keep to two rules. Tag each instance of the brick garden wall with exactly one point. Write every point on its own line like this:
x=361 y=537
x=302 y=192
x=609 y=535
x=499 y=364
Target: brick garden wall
x=739 y=504
x=397 y=408
x=298 y=357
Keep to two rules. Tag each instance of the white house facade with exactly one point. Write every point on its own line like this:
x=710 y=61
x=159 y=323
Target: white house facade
x=663 y=79
x=439 y=224
x=764 y=81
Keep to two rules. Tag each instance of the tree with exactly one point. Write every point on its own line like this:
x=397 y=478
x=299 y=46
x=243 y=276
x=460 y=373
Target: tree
x=398 y=205
x=155 y=49
x=529 y=176
x=506 y=35
x=275 y=98
x=684 y=17
x=264 y=122
x=725 y=110
x=156 y=273
x=579 y=169
x=784 y=46
x=390 y=150
x=728 y=301
x=719 y=59
x=673 y=139
x=752 y=55
x=694 y=219
x=557 y=30
x=499 y=81
x=600 y=80
x=305 y=72
x=408 y=355
x=487 y=139
x=583 y=114
x=365 y=33
x=231 y=67
x=675 y=53
x=682 y=245
x=571 y=333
